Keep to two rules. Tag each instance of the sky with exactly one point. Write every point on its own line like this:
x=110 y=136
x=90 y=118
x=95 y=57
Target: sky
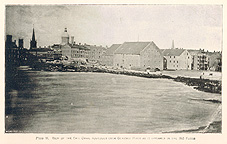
x=190 y=26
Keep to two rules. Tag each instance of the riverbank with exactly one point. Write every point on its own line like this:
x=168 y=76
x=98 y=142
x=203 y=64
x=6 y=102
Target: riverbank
x=201 y=84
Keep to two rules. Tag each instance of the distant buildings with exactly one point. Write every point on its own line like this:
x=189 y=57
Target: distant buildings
x=138 y=56
x=73 y=50
x=129 y=55
x=203 y=60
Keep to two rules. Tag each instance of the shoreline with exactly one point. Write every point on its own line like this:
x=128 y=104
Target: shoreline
x=201 y=84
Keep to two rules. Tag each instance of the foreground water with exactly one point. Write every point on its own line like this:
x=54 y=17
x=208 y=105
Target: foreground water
x=67 y=102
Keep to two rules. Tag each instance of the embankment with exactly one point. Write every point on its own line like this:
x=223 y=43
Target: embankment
x=206 y=85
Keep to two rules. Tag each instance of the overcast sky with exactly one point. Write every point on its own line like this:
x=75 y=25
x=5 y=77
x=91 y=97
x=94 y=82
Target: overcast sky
x=190 y=26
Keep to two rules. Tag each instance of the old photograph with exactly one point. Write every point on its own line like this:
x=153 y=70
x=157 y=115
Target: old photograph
x=113 y=68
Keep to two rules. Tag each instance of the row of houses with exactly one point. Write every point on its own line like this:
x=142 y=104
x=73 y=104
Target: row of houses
x=143 y=55
x=129 y=55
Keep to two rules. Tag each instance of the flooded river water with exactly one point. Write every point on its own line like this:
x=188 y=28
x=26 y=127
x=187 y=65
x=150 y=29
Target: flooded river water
x=70 y=102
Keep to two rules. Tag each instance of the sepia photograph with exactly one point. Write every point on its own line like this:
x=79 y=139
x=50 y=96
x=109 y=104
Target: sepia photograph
x=113 y=68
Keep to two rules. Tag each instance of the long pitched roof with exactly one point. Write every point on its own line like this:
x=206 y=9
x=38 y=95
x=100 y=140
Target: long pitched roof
x=173 y=52
x=131 y=48
x=194 y=52
x=112 y=49
x=95 y=47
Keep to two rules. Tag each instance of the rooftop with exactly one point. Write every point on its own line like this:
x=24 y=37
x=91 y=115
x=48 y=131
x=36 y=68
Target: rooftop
x=173 y=52
x=131 y=47
x=112 y=49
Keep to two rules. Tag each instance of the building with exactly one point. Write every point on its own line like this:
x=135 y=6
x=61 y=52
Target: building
x=15 y=55
x=107 y=57
x=138 y=56
x=80 y=51
x=177 y=59
x=95 y=53
x=200 y=59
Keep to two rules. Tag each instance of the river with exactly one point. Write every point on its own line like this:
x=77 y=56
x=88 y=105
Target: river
x=71 y=102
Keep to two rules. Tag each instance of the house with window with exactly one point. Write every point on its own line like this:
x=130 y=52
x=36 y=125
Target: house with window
x=177 y=59
x=138 y=56
x=95 y=53
x=200 y=59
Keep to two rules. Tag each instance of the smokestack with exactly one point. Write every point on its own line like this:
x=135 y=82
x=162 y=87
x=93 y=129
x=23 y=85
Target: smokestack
x=72 y=39
x=172 y=44
x=21 y=43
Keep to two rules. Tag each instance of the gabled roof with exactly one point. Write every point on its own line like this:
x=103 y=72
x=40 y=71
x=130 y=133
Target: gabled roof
x=131 y=48
x=194 y=52
x=95 y=47
x=112 y=49
x=173 y=52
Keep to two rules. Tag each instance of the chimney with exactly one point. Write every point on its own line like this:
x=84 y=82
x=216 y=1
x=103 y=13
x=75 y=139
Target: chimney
x=172 y=44
x=8 y=43
x=9 y=38
x=21 y=43
x=72 y=39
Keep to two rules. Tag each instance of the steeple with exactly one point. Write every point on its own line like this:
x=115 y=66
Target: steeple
x=33 y=35
x=172 y=44
x=33 y=42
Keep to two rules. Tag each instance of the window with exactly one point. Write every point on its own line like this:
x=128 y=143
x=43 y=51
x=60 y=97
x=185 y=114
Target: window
x=174 y=57
x=170 y=61
x=170 y=56
x=177 y=61
x=173 y=61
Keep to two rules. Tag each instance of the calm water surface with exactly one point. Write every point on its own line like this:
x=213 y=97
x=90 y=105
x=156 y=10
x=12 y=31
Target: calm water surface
x=67 y=102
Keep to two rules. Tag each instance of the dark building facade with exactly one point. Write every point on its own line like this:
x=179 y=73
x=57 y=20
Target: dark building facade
x=15 y=55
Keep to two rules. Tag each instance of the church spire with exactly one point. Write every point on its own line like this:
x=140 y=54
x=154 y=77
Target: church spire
x=33 y=34
x=33 y=42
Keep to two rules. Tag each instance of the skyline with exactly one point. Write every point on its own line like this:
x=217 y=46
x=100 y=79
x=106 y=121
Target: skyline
x=190 y=26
